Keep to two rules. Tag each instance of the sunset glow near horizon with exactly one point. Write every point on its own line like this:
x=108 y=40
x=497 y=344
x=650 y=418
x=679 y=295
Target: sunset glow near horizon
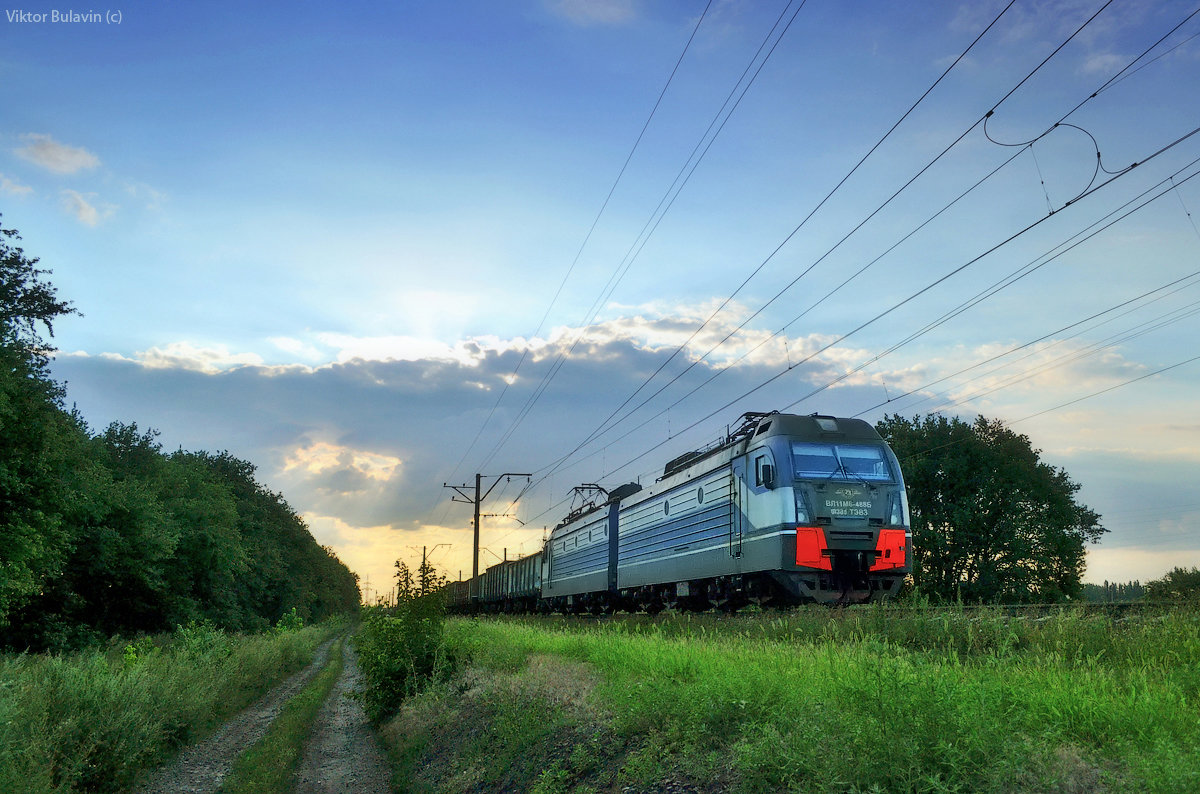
x=374 y=250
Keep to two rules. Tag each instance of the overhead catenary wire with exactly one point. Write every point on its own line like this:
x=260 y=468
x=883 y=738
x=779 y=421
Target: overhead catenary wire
x=587 y=237
x=914 y=295
x=1086 y=193
x=1156 y=323
x=1012 y=278
x=1107 y=390
x=1191 y=278
x=1046 y=258
x=953 y=273
x=1072 y=357
x=644 y=235
x=559 y=462
x=725 y=301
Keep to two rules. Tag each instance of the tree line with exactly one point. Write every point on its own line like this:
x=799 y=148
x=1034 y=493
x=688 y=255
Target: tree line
x=102 y=533
x=1115 y=592
x=991 y=521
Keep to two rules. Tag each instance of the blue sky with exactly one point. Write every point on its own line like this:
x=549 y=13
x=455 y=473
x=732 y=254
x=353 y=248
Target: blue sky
x=325 y=238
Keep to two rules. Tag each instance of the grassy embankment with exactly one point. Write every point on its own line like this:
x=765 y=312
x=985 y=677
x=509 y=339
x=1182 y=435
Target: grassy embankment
x=872 y=699
x=93 y=721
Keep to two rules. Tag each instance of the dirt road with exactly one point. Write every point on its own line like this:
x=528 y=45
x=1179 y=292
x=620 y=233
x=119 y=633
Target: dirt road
x=342 y=754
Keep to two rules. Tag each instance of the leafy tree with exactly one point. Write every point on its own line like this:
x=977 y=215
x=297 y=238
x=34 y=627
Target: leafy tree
x=428 y=579
x=289 y=568
x=34 y=431
x=991 y=521
x=26 y=300
x=405 y=589
x=210 y=557
x=1180 y=584
x=104 y=534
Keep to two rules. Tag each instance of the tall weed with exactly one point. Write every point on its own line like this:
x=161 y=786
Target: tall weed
x=92 y=721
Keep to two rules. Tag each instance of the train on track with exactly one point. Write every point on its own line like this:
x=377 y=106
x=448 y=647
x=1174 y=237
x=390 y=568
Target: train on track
x=782 y=509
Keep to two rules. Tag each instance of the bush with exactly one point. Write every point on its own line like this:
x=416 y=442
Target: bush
x=1180 y=585
x=290 y=621
x=400 y=649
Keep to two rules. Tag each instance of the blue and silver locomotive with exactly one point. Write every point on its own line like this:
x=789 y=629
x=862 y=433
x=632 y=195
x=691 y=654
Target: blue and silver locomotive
x=783 y=509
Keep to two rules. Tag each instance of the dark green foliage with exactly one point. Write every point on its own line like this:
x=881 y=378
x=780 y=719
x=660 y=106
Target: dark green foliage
x=991 y=521
x=26 y=301
x=35 y=434
x=1181 y=584
x=405 y=590
x=400 y=649
x=103 y=534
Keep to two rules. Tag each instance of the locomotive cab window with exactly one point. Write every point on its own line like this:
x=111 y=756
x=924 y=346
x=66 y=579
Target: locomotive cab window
x=764 y=472
x=840 y=461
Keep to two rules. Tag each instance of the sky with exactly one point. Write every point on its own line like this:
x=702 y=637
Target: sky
x=380 y=248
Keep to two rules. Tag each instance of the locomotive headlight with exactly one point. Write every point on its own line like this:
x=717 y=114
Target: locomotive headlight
x=802 y=514
x=898 y=515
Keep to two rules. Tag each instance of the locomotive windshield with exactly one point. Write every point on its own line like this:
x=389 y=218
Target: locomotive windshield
x=840 y=462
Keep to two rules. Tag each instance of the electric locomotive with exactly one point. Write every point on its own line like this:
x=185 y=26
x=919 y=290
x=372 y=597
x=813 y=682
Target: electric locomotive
x=782 y=509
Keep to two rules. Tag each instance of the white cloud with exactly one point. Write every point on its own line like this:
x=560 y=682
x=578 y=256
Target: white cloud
x=186 y=356
x=84 y=210
x=297 y=347
x=320 y=457
x=363 y=443
x=594 y=12
x=12 y=188
x=372 y=552
x=54 y=156
x=393 y=348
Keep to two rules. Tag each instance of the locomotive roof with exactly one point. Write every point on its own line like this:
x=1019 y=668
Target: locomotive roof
x=813 y=427
x=817 y=428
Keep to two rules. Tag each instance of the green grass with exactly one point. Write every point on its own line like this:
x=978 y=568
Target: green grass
x=268 y=766
x=853 y=700
x=96 y=720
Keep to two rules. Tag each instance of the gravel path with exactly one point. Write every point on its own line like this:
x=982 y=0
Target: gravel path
x=202 y=767
x=343 y=754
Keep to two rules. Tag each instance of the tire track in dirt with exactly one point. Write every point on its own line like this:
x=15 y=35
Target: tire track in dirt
x=202 y=767
x=343 y=754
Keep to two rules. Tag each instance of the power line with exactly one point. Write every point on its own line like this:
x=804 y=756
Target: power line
x=586 y=239
x=1110 y=388
x=1015 y=276
x=1087 y=192
x=1149 y=326
x=600 y=429
x=919 y=292
x=623 y=267
x=996 y=106
x=1029 y=345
